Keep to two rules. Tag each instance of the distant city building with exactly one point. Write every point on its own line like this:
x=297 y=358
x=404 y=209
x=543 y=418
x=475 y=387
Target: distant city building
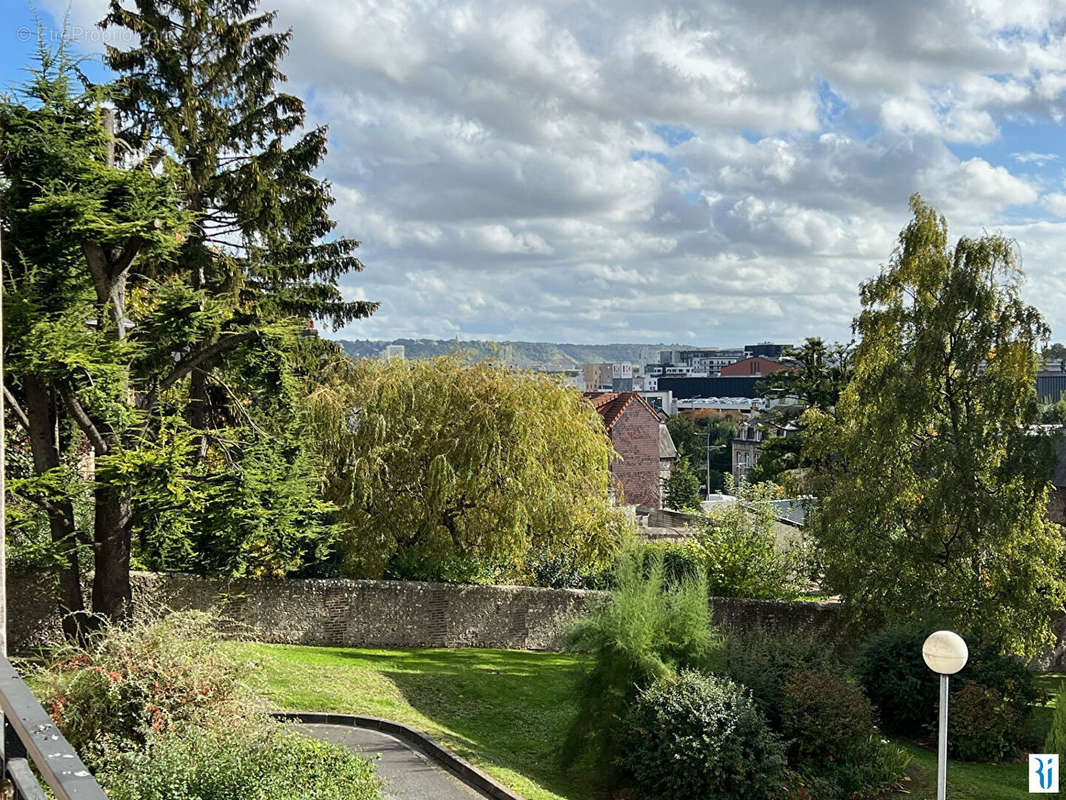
x=684 y=388
x=621 y=377
x=572 y=378
x=766 y=350
x=660 y=401
x=756 y=365
x=598 y=377
x=741 y=404
x=748 y=444
x=393 y=352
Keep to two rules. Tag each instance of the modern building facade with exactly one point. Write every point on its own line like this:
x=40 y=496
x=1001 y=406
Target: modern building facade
x=756 y=365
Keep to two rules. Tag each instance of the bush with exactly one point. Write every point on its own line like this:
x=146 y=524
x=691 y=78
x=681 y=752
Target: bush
x=250 y=761
x=642 y=632
x=1056 y=735
x=680 y=561
x=891 y=671
x=698 y=736
x=160 y=712
x=833 y=744
x=1006 y=674
x=737 y=549
x=762 y=660
x=985 y=724
x=894 y=676
x=146 y=677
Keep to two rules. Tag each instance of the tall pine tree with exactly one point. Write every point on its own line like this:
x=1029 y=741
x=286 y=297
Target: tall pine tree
x=187 y=387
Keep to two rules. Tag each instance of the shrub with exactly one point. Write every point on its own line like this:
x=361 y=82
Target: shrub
x=985 y=724
x=1006 y=674
x=642 y=632
x=833 y=744
x=1056 y=735
x=763 y=659
x=249 y=761
x=700 y=736
x=891 y=670
x=680 y=561
x=737 y=549
x=146 y=677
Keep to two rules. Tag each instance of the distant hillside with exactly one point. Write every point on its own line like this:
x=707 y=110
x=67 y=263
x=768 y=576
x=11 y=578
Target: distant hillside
x=527 y=355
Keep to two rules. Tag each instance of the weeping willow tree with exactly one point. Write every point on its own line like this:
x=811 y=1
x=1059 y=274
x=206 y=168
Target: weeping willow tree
x=453 y=472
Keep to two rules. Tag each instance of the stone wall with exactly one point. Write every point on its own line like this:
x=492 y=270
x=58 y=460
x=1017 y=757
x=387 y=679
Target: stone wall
x=343 y=613
x=339 y=613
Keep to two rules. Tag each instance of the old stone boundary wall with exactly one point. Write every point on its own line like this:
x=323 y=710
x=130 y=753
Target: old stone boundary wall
x=348 y=613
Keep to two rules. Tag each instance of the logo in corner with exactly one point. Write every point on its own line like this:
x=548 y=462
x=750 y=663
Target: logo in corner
x=1043 y=772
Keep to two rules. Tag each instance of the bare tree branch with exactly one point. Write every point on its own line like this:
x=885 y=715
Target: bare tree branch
x=194 y=360
x=16 y=409
x=84 y=421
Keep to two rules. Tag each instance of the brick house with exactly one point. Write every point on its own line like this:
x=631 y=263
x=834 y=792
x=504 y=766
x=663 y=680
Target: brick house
x=634 y=428
x=752 y=367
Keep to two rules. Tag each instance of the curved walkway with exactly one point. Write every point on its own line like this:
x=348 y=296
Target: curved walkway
x=412 y=765
x=407 y=774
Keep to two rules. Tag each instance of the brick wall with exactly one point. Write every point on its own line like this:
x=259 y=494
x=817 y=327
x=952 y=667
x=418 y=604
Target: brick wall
x=635 y=435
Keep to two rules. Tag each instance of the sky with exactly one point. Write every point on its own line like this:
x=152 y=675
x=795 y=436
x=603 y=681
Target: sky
x=710 y=173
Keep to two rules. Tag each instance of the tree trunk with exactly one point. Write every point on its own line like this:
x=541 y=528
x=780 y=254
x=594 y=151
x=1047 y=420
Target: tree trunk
x=198 y=412
x=112 y=597
x=41 y=412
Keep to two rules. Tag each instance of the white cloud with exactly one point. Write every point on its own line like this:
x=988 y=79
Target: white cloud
x=501 y=162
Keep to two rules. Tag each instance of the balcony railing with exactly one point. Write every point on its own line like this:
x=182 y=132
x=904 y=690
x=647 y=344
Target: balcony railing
x=30 y=736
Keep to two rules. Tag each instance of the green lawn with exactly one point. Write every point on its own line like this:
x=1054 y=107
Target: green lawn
x=506 y=711
x=503 y=710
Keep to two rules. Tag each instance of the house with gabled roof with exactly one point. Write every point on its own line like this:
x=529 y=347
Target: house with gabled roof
x=645 y=455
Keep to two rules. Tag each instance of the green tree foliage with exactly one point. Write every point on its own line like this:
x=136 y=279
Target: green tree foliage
x=454 y=472
x=161 y=282
x=933 y=493
x=738 y=551
x=1056 y=352
x=690 y=436
x=817 y=375
x=73 y=226
x=681 y=490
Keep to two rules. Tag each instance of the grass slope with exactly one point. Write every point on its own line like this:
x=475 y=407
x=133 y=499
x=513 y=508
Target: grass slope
x=507 y=711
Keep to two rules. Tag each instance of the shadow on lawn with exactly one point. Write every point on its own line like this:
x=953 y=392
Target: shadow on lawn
x=510 y=708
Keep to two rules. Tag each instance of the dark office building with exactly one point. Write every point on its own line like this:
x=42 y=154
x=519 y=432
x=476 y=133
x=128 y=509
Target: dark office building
x=1050 y=386
x=685 y=388
x=766 y=350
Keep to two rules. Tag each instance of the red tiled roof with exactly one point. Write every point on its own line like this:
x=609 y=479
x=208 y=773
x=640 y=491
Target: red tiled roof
x=610 y=405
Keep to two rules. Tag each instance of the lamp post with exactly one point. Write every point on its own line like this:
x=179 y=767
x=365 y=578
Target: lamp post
x=707 y=483
x=945 y=653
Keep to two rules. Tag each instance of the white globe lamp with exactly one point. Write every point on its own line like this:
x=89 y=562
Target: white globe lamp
x=945 y=652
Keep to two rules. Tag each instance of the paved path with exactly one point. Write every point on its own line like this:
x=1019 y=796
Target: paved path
x=408 y=775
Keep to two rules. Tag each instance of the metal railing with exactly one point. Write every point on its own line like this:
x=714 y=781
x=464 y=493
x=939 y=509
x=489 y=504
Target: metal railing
x=30 y=736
